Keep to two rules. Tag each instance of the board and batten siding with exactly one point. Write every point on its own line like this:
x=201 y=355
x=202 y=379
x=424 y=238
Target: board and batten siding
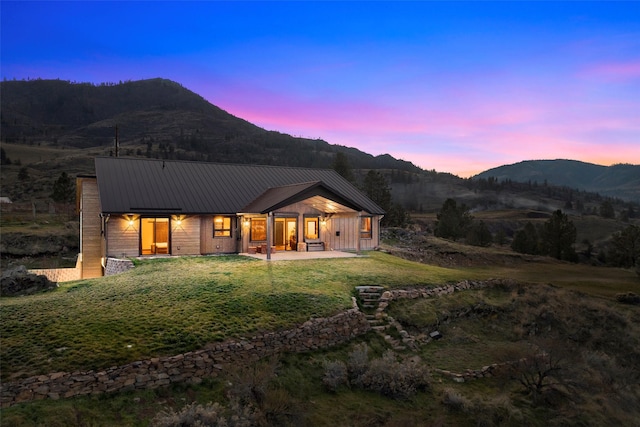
x=217 y=245
x=185 y=237
x=91 y=243
x=348 y=226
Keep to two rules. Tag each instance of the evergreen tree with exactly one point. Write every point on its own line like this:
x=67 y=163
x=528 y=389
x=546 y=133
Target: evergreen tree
x=377 y=189
x=4 y=160
x=526 y=240
x=625 y=247
x=558 y=237
x=607 y=210
x=63 y=189
x=453 y=221
x=479 y=234
x=397 y=216
x=341 y=165
x=23 y=174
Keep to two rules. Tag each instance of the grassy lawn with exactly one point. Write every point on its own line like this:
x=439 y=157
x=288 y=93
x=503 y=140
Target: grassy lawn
x=173 y=305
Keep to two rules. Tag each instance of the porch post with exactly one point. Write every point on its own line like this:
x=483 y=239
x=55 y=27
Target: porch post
x=358 y=233
x=269 y=236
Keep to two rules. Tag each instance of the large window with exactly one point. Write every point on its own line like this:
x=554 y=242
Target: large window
x=222 y=226
x=311 y=230
x=258 y=229
x=365 y=227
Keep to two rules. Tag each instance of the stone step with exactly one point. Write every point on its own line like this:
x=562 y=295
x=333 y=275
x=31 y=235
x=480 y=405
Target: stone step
x=369 y=288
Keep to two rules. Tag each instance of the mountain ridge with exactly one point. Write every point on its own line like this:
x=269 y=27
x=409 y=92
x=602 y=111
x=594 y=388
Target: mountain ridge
x=620 y=180
x=158 y=111
x=161 y=118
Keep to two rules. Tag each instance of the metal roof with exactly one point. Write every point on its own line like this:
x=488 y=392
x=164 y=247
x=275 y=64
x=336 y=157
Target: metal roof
x=278 y=197
x=134 y=185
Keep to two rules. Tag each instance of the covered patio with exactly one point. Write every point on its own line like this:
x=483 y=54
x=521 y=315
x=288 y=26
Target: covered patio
x=294 y=256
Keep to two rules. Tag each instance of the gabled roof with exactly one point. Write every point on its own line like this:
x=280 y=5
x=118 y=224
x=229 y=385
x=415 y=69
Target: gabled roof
x=278 y=197
x=133 y=185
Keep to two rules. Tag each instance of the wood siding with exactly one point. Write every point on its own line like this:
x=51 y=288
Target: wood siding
x=185 y=237
x=347 y=224
x=123 y=240
x=217 y=245
x=348 y=228
x=91 y=242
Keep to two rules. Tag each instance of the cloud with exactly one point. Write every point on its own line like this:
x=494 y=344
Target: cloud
x=614 y=71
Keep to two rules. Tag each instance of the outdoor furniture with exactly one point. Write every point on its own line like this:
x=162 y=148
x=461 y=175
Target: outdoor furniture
x=315 y=245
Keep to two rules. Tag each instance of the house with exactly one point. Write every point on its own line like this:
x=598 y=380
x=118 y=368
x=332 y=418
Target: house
x=136 y=207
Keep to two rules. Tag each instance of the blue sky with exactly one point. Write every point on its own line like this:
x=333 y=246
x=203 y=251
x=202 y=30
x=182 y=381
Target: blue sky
x=457 y=87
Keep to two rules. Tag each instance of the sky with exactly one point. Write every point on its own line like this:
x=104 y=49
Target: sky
x=452 y=86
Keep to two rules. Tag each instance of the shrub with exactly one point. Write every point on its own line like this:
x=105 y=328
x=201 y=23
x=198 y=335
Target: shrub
x=249 y=384
x=395 y=379
x=498 y=411
x=386 y=375
x=454 y=401
x=358 y=363
x=210 y=415
x=335 y=375
x=628 y=298
x=281 y=409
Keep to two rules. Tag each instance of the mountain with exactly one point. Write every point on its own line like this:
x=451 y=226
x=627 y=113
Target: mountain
x=51 y=126
x=621 y=180
x=157 y=118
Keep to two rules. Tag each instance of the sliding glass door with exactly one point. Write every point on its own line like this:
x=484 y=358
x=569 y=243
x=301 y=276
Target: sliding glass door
x=154 y=236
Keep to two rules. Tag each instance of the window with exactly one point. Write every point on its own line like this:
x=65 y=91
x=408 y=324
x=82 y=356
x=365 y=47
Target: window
x=258 y=229
x=365 y=227
x=222 y=226
x=311 y=228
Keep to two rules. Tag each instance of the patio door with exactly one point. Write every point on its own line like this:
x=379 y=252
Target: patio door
x=154 y=236
x=285 y=235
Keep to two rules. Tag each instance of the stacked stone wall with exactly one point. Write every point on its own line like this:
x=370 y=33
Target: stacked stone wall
x=190 y=367
x=116 y=266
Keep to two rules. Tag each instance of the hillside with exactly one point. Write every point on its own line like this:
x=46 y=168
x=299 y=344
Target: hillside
x=156 y=118
x=621 y=181
x=51 y=126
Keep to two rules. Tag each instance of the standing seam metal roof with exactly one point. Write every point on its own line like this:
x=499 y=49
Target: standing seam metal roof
x=133 y=185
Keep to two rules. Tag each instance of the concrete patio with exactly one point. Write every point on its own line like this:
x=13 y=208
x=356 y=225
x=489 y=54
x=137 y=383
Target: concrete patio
x=294 y=255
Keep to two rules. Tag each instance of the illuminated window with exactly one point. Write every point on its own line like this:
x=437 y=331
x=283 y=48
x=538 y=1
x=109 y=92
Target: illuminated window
x=365 y=227
x=222 y=226
x=258 y=229
x=311 y=228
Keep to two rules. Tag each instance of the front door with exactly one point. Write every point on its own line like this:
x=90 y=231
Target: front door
x=285 y=235
x=154 y=236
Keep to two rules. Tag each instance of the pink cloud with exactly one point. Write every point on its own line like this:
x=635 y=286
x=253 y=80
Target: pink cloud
x=614 y=71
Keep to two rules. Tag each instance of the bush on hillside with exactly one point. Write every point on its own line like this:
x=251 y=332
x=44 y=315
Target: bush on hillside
x=398 y=379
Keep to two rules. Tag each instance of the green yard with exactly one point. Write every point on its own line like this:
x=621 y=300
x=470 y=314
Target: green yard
x=173 y=305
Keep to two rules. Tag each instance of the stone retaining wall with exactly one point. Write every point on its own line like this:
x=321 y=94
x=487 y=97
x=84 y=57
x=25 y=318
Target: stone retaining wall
x=429 y=292
x=116 y=266
x=190 y=367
